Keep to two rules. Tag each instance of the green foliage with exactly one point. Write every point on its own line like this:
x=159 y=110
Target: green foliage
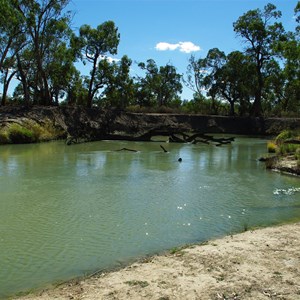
x=260 y=33
x=29 y=132
x=160 y=85
x=271 y=147
x=20 y=135
x=96 y=43
x=284 y=135
x=284 y=142
x=287 y=148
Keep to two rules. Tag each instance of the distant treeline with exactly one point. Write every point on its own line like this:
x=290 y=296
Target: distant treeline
x=39 y=49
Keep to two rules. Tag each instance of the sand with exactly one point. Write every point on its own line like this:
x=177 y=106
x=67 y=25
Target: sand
x=260 y=264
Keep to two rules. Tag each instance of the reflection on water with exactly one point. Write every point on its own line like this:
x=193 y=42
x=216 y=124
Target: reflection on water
x=69 y=210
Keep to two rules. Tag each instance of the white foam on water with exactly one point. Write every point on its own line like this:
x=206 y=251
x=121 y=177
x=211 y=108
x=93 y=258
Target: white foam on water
x=289 y=191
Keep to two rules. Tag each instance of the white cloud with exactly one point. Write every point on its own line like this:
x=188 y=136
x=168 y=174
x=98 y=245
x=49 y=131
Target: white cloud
x=166 y=46
x=186 y=47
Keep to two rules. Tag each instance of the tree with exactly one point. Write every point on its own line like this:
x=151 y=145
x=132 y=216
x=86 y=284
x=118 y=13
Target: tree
x=234 y=81
x=95 y=45
x=119 y=91
x=161 y=84
x=61 y=70
x=260 y=35
x=284 y=79
x=45 y=28
x=196 y=76
x=201 y=78
x=11 y=41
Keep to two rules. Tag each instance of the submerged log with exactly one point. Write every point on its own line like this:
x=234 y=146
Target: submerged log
x=162 y=147
x=127 y=149
x=199 y=138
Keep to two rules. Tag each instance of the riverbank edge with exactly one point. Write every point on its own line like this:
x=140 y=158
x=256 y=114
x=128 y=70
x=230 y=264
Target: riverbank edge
x=255 y=264
x=80 y=124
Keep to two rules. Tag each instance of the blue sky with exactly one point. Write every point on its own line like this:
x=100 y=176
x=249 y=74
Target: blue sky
x=169 y=31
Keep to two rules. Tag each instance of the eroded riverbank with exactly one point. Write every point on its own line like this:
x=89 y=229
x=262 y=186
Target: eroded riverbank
x=79 y=124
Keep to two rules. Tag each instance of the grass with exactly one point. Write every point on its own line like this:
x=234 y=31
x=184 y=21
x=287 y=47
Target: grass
x=29 y=132
x=286 y=143
x=142 y=284
x=284 y=135
x=18 y=134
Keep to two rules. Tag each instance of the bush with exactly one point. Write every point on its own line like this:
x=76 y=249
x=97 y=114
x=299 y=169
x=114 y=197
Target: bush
x=288 y=148
x=271 y=147
x=284 y=135
x=20 y=135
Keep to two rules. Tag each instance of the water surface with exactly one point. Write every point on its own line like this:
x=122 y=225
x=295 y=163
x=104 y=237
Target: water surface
x=70 y=210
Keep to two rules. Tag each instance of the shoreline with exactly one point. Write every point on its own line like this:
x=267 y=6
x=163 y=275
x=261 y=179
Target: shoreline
x=256 y=264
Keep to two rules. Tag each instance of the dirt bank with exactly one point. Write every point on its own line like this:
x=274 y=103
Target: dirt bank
x=260 y=264
x=79 y=124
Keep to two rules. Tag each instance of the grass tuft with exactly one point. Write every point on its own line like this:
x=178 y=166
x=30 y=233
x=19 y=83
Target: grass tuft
x=142 y=284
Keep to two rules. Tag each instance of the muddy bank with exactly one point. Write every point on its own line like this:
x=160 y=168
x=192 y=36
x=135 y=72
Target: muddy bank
x=79 y=124
x=287 y=164
x=261 y=264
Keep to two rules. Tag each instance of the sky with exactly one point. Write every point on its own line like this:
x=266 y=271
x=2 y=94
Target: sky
x=170 y=31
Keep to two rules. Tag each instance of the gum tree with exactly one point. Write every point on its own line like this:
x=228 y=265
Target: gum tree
x=46 y=27
x=161 y=84
x=96 y=44
x=259 y=32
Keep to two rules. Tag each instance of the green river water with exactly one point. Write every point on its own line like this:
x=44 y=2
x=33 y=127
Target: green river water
x=66 y=211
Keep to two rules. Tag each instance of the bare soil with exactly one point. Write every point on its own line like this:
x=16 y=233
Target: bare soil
x=259 y=264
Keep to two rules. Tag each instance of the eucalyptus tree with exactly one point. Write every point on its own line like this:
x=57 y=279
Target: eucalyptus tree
x=7 y=74
x=233 y=81
x=11 y=41
x=10 y=29
x=61 y=71
x=283 y=80
x=119 y=90
x=290 y=51
x=96 y=43
x=196 y=76
x=46 y=27
x=76 y=93
x=161 y=84
x=259 y=32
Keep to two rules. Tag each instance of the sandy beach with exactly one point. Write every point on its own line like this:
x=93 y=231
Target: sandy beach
x=259 y=264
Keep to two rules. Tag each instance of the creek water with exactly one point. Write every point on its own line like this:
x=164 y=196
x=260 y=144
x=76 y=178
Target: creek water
x=66 y=211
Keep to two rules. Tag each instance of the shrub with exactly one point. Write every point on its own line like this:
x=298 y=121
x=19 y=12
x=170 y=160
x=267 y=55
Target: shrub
x=271 y=147
x=284 y=135
x=19 y=135
x=288 y=148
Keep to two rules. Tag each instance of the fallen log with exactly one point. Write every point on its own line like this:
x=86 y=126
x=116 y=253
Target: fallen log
x=127 y=149
x=162 y=147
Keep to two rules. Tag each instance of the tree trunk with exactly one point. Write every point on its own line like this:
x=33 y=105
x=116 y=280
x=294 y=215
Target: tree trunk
x=91 y=93
x=256 y=110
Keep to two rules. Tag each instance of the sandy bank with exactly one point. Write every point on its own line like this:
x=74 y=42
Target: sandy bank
x=260 y=264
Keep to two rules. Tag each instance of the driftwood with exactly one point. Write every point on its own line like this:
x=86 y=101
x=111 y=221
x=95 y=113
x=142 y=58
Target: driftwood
x=164 y=149
x=127 y=149
x=199 y=138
